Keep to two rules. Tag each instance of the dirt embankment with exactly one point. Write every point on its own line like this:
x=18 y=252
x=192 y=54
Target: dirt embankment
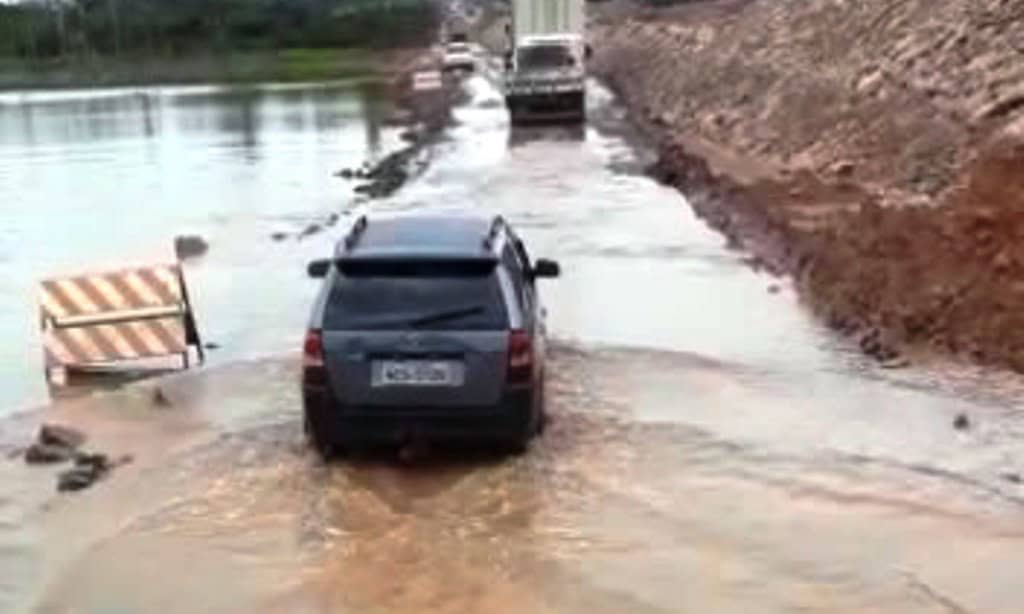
x=867 y=148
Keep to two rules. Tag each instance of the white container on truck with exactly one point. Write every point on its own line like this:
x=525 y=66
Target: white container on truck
x=545 y=64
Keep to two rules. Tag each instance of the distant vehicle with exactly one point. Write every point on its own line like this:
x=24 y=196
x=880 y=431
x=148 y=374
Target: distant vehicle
x=426 y=327
x=459 y=56
x=546 y=61
x=456 y=28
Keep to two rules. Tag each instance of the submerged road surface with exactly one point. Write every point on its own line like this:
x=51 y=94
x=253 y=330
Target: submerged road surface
x=712 y=449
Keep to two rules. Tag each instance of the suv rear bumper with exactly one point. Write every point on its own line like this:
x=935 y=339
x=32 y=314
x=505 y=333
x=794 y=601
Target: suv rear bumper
x=511 y=418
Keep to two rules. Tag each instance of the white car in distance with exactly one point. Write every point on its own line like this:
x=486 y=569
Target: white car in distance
x=459 y=56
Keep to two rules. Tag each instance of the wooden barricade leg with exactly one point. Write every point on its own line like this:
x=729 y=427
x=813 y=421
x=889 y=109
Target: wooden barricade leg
x=57 y=376
x=191 y=330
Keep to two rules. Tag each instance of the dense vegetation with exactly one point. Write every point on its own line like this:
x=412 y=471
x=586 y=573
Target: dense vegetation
x=49 y=29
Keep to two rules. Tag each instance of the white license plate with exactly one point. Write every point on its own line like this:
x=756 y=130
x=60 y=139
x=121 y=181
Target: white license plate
x=417 y=373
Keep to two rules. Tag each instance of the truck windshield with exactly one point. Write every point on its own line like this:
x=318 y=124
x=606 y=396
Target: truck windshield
x=545 y=56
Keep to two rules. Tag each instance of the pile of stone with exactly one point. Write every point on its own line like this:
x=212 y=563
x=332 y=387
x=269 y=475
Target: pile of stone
x=57 y=444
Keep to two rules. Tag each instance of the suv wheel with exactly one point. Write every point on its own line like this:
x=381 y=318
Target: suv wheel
x=518 y=445
x=317 y=440
x=532 y=426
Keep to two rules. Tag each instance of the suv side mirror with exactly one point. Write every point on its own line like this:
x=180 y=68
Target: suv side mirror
x=318 y=268
x=546 y=268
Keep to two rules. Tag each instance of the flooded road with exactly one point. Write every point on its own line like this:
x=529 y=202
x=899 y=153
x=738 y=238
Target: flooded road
x=712 y=448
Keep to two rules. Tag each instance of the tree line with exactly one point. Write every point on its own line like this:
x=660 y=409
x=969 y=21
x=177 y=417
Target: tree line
x=41 y=29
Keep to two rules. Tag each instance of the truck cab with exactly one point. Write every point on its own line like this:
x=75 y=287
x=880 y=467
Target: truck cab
x=545 y=78
x=546 y=60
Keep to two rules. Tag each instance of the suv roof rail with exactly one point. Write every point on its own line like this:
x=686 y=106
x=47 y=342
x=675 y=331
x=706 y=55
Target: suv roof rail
x=358 y=228
x=496 y=226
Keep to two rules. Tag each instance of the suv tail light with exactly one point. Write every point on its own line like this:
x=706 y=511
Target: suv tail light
x=313 y=371
x=520 y=357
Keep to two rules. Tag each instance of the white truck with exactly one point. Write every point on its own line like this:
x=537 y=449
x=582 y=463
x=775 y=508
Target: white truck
x=546 y=60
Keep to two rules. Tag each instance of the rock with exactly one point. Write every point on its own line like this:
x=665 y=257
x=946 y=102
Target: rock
x=211 y=345
x=310 y=230
x=870 y=82
x=279 y=236
x=46 y=454
x=346 y=173
x=842 y=168
x=190 y=246
x=984 y=215
x=96 y=462
x=1003 y=261
x=332 y=219
x=896 y=362
x=56 y=435
x=774 y=289
x=159 y=398
x=1002 y=106
x=77 y=478
x=886 y=354
x=667 y=118
x=961 y=422
x=409 y=136
x=1014 y=478
x=88 y=469
x=869 y=343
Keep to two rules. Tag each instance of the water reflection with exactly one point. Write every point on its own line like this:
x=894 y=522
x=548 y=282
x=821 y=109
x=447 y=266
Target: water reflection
x=27 y=124
x=239 y=115
x=373 y=110
x=148 y=124
x=145 y=164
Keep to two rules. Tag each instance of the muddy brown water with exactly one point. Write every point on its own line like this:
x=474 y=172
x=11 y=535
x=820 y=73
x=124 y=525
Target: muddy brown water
x=712 y=448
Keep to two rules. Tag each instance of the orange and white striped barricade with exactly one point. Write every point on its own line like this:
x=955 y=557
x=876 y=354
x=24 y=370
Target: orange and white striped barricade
x=427 y=81
x=103 y=318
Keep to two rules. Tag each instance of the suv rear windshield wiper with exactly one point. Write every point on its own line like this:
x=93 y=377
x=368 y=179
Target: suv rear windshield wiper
x=450 y=314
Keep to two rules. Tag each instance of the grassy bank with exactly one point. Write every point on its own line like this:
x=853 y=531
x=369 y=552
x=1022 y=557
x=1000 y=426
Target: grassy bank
x=287 y=65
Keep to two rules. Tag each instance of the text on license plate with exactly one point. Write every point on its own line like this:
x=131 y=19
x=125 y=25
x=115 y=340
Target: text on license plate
x=417 y=373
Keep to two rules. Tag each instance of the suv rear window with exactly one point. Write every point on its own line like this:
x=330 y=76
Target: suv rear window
x=416 y=295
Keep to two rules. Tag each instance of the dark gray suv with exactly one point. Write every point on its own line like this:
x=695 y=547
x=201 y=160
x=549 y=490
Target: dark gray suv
x=427 y=327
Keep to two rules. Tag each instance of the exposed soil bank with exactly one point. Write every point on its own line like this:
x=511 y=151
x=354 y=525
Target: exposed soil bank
x=867 y=149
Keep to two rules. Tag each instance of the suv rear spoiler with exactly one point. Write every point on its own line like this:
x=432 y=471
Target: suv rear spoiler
x=427 y=266
x=416 y=267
